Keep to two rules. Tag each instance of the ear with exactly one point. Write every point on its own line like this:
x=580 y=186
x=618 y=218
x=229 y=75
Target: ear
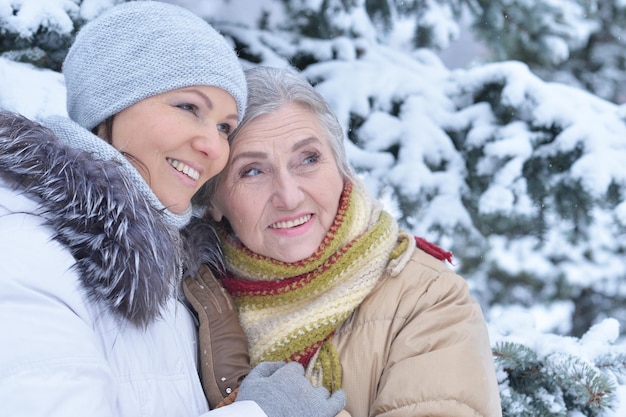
x=215 y=213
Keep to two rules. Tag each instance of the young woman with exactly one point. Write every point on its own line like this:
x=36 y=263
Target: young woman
x=91 y=209
x=322 y=275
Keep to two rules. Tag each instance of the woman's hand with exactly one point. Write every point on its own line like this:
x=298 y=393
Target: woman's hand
x=282 y=390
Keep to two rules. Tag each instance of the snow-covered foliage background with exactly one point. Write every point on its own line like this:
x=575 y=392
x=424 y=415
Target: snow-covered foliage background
x=515 y=161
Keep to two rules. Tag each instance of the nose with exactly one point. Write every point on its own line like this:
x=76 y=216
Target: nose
x=209 y=142
x=287 y=193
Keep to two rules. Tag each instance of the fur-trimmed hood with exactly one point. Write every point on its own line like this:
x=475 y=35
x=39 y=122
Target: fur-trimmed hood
x=128 y=256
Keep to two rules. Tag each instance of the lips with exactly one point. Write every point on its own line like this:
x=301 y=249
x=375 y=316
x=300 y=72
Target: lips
x=184 y=168
x=291 y=223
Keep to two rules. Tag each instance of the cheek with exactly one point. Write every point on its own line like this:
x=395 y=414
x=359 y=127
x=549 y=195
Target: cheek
x=119 y=137
x=225 y=153
x=241 y=209
x=223 y=201
x=217 y=165
x=126 y=124
x=332 y=197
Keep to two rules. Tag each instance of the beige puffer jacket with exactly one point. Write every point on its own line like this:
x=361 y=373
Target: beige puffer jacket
x=418 y=346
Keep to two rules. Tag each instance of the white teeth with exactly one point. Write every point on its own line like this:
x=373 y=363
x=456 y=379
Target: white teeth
x=185 y=169
x=291 y=223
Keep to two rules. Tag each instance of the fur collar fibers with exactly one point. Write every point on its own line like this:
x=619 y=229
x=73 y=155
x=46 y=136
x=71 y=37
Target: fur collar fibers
x=128 y=257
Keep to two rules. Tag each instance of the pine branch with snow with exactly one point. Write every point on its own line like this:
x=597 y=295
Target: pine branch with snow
x=558 y=384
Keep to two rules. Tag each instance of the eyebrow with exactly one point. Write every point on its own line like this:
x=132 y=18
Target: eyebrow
x=249 y=154
x=263 y=155
x=208 y=101
x=303 y=143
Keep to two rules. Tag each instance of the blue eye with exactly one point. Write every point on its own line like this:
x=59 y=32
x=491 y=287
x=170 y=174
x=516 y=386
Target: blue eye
x=251 y=172
x=225 y=127
x=311 y=159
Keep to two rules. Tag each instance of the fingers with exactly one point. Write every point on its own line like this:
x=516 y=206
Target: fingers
x=283 y=390
x=338 y=400
x=267 y=369
x=289 y=369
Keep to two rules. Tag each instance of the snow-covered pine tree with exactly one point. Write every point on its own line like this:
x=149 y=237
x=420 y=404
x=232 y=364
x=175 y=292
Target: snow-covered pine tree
x=578 y=42
x=39 y=39
x=553 y=386
x=412 y=23
x=556 y=376
x=552 y=199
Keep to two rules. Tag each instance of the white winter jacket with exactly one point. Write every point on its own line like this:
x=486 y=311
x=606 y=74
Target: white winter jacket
x=73 y=340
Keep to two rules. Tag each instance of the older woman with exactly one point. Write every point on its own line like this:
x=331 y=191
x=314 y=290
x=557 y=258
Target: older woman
x=322 y=275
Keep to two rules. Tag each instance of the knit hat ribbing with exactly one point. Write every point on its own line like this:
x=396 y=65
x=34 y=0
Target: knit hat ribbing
x=140 y=49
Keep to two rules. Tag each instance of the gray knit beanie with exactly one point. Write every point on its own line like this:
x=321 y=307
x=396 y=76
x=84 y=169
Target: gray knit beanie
x=139 y=49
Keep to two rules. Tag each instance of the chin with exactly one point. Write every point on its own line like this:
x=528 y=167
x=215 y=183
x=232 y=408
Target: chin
x=178 y=206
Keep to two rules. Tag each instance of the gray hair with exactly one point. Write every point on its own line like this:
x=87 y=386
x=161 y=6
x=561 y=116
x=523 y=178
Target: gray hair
x=269 y=89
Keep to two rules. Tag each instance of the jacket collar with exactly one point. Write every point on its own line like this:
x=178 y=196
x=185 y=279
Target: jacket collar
x=128 y=256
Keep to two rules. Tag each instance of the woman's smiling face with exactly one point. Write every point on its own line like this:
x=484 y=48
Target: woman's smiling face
x=177 y=140
x=281 y=188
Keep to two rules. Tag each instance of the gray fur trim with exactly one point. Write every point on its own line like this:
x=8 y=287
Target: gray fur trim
x=126 y=253
x=201 y=246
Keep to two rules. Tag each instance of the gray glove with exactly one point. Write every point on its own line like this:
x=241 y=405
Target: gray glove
x=282 y=390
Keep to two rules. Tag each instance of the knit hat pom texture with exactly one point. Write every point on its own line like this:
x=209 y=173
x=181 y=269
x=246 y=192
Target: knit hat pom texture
x=140 y=49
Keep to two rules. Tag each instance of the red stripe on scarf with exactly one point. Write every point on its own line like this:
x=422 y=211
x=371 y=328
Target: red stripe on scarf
x=433 y=250
x=304 y=356
x=240 y=287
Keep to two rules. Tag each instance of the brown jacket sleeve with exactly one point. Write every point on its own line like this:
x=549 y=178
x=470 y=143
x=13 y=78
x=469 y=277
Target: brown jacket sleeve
x=222 y=344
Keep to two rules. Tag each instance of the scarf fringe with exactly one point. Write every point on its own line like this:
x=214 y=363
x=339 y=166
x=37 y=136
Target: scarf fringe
x=433 y=250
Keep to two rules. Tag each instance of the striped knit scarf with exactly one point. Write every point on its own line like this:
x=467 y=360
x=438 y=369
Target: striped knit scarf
x=290 y=311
